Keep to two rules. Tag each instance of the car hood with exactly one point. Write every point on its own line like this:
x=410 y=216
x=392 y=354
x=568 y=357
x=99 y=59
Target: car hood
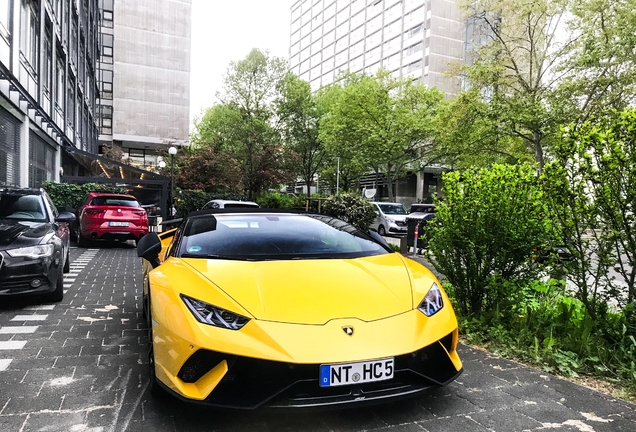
x=21 y=234
x=314 y=291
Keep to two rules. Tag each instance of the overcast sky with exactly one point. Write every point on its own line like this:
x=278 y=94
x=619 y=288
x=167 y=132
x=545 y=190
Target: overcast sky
x=225 y=31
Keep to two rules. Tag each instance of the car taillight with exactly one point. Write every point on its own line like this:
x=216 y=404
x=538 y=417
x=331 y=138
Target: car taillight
x=94 y=211
x=139 y=213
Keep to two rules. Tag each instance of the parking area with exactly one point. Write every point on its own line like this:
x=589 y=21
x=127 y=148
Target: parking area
x=81 y=365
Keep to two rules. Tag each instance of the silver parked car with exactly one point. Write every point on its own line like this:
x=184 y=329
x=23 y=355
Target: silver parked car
x=391 y=218
x=219 y=204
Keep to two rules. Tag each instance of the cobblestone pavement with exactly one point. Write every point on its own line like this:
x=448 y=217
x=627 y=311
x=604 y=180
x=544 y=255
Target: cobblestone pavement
x=80 y=365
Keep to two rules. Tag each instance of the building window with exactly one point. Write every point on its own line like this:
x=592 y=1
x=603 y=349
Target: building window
x=4 y=18
x=107 y=81
x=107 y=45
x=330 y=11
x=73 y=43
x=329 y=51
x=415 y=31
x=41 y=161
x=414 y=66
x=9 y=149
x=374 y=24
x=60 y=84
x=48 y=60
x=29 y=31
x=107 y=13
x=70 y=102
x=413 y=49
x=357 y=34
x=374 y=39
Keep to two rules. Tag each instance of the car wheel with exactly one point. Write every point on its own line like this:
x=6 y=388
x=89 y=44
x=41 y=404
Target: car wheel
x=57 y=295
x=381 y=230
x=81 y=240
x=67 y=263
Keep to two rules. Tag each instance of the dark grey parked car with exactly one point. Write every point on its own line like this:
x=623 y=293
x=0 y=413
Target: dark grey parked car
x=34 y=244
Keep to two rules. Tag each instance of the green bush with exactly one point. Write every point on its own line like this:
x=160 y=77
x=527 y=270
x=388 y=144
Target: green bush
x=350 y=208
x=553 y=330
x=489 y=222
x=70 y=196
x=276 y=200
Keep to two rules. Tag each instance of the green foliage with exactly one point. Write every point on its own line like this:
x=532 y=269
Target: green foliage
x=350 y=208
x=70 y=195
x=394 y=247
x=299 y=117
x=489 y=222
x=242 y=130
x=381 y=122
x=206 y=167
x=553 y=330
x=591 y=188
x=276 y=200
x=187 y=201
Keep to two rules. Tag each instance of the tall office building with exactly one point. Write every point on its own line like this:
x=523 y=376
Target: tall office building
x=48 y=53
x=416 y=38
x=145 y=77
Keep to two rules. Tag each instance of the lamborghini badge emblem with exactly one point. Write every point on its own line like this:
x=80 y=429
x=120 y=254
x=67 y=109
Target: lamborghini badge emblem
x=348 y=330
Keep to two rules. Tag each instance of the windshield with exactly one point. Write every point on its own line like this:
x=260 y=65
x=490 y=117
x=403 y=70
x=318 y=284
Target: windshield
x=22 y=208
x=115 y=201
x=274 y=237
x=393 y=209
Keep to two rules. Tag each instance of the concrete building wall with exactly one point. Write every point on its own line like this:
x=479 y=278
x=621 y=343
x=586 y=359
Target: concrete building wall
x=446 y=45
x=151 y=85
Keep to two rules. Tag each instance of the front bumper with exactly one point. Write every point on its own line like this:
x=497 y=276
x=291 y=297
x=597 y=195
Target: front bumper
x=249 y=383
x=17 y=275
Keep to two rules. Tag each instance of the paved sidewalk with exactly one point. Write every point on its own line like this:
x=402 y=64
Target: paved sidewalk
x=81 y=365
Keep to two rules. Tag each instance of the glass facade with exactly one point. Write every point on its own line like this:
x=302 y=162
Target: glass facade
x=48 y=55
x=406 y=37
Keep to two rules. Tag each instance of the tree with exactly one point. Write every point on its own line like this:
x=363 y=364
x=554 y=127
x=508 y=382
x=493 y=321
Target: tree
x=385 y=122
x=299 y=119
x=468 y=134
x=242 y=125
x=208 y=169
x=591 y=186
x=543 y=64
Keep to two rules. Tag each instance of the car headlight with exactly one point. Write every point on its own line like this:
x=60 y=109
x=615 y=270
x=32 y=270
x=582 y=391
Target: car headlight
x=432 y=302
x=214 y=315
x=32 y=252
x=390 y=220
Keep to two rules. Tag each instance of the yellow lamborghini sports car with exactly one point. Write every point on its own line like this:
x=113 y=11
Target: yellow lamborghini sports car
x=252 y=308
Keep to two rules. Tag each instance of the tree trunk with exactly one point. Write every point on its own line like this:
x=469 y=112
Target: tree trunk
x=538 y=146
x=389 y=185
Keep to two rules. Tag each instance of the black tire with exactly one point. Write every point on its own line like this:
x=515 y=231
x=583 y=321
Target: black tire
x=81 y=240
x=67 y=263
x=381 y=230
x=57 y=295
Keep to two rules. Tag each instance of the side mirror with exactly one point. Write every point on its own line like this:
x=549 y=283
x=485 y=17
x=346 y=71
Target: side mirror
x=149 y=247
x=65 y=217
x=379 y=239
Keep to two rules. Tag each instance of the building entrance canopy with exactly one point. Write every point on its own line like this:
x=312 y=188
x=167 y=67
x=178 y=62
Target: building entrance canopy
x=83 y=167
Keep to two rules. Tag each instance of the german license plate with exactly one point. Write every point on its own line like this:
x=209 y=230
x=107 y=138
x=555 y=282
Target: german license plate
x=118 y=224
x=356 y=373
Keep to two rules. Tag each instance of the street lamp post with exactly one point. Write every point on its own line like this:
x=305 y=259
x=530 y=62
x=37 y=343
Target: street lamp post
x=173 y=151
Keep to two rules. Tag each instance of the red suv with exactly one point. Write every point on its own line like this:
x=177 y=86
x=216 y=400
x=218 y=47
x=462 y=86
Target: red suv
x=111 y=217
